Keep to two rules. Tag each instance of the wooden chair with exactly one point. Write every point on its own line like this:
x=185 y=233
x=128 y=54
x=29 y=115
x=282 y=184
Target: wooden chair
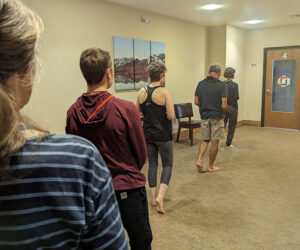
x=185 y=110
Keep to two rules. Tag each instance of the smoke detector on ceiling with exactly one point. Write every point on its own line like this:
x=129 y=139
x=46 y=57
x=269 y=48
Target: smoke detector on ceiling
x=146 y=19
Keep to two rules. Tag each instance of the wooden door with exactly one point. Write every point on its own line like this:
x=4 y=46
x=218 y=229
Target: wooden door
x=282 y=88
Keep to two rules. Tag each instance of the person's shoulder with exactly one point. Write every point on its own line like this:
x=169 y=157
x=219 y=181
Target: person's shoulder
x=125 y=105
x=164 y=91
x=73 y=106
x=67 y=153
x=143 y=90
x=69 y=138
x=201 y=84
x=202 y=81
x=68 y=142
x=220 y=83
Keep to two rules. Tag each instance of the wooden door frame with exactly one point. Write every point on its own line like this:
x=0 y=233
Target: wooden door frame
x=264 y=77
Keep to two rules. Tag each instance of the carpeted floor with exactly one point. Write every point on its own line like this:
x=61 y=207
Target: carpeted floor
x=252 y=203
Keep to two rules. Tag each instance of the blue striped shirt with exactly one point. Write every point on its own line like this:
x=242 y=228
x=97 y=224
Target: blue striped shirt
x=60 y=197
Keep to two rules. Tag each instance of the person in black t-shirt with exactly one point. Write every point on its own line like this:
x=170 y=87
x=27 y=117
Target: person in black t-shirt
x=211 y=97
x=231 y=113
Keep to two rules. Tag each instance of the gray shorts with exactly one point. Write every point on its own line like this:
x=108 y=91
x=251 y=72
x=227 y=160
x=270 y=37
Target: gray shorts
x=212 y=129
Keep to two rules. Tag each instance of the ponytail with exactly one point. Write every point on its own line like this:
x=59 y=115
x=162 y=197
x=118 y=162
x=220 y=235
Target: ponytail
x=11 y=137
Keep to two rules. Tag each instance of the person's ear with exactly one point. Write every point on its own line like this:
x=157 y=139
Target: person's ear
x=25 y=78
x=109 y=73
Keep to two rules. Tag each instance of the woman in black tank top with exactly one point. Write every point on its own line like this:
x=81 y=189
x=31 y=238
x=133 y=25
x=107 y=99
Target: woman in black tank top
x=157 y=124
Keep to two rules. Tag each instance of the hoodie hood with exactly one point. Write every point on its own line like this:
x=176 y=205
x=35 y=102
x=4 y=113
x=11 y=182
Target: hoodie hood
x=87 y=104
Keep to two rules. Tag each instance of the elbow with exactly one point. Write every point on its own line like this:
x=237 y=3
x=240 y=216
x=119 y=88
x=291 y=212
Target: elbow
x=171 y=117
x=141 y=165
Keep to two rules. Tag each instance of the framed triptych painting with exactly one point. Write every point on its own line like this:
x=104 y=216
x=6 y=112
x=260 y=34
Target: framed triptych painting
x=131 y=61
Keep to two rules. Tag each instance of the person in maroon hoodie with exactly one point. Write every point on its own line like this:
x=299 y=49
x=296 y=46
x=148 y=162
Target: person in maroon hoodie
x=114 y=126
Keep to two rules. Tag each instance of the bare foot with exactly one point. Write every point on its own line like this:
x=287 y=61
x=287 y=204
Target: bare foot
x=200 y=166
x=213 y=169
x=153 y=196
x=160 y=205
x=154 y=203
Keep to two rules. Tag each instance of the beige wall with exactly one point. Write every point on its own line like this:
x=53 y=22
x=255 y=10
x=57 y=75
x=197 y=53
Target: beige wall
x=242 y=48
x=216 y=46
x=73 y=25
x=235 y=57
x=257 y=40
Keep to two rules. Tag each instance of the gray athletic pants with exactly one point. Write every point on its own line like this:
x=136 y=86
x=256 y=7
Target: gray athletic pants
x=165 y=149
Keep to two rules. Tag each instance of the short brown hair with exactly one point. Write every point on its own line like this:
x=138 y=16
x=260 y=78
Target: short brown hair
x=155 y=69
x=93 y=64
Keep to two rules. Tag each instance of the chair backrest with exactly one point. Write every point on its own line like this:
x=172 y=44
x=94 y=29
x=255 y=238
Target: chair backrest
x=183 y=110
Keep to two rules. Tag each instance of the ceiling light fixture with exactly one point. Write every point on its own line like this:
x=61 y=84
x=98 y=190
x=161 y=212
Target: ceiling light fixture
x=211 y=7
x=256 y=21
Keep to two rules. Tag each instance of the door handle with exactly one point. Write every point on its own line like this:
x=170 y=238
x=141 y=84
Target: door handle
x=268 y=91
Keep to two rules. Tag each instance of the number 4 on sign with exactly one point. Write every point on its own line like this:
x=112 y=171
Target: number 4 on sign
x=284 y=56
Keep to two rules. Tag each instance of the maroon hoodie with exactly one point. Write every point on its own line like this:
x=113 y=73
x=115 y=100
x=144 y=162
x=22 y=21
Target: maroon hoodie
x=116 y=131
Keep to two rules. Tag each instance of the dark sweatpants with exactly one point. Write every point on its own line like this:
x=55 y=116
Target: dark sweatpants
x=231 y=114
x=133 y=207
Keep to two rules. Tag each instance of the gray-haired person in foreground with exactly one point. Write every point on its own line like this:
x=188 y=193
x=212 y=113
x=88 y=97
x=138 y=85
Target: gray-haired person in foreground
x=55 y=190
x=211 y=97
x=231 y=113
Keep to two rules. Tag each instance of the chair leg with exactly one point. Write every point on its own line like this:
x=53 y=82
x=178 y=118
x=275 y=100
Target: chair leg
x=191 y=136
x=178 y=133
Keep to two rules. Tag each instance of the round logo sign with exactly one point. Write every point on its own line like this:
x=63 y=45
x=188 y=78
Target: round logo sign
x=284 y=81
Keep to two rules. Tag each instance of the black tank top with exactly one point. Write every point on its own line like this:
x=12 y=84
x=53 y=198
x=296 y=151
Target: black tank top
x=156 y=125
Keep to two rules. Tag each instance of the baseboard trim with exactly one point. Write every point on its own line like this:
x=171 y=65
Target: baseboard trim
x=249 y=123
x=184 y=134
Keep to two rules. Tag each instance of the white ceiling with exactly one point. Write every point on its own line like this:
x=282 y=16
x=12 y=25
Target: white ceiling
x=233 y=12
